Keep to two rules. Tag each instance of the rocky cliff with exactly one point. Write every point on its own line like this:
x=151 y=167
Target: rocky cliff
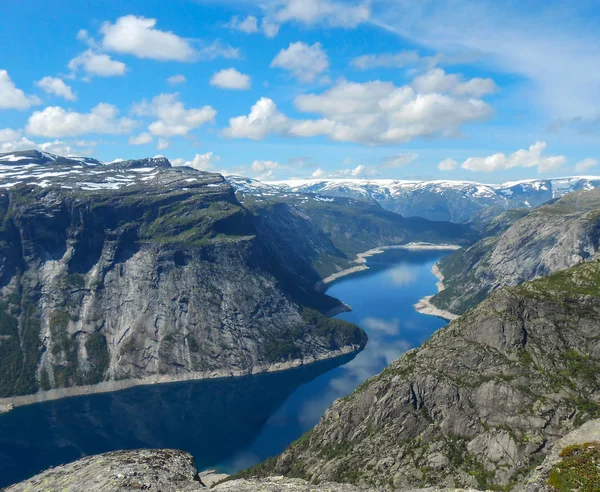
x=139 y=270
x=479 y=404
x=519 y=247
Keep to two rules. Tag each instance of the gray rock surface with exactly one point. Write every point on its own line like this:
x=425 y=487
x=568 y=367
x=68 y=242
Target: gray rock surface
x=517 y=249
x=142 y=272
x=162 y=470
x=146 y=469
x=479 y=404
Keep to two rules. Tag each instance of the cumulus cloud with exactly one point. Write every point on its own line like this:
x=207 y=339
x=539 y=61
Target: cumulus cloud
x=448 y=165
x=100 y=64
x=319 y=173
x=201 y=162
x=12 y=97
x=372 y=113
x=303 y=61
x=13 y=140
x=399 y=160
x=526 y=158
x=437 y=80
x=163 y=144
x=56 y=86
x=141 y=139
x=264 y=118
x=56 y=122
x=173 y=118
x=176 y=79
x=137 y=36
x=230 y=78
x=586 y=164
x=262 y=167
x=249 y=25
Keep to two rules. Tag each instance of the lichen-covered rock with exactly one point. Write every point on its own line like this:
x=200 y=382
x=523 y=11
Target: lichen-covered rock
x=479 y=404
x=146 y=469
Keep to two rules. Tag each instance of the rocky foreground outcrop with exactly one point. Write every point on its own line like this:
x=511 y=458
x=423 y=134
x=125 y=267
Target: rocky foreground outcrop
x=172 y=470
x=164 y=470
x=480 y=404
x=519 y=248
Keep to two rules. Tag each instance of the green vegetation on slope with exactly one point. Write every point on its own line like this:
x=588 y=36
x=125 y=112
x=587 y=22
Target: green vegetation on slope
x=578 y=470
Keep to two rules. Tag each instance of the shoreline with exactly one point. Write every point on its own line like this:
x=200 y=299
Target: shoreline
x=424 y=305
x=10 y=403
x=361 y=259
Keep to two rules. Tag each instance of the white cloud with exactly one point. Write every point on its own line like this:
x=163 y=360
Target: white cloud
x=526 y=158
x=163 y=144
x=97 y=64
x=56 y=86
x=319 y=173
x=219 y=50
x=55 y=121
x=230 y=78
x=201 y=162
x=173 y=118
x=448 y=165
x=372 y=113
x=176 y=79
x=12 y=97
x=12 y=141
x=264 y=166
x=303 y=61
x=556 y=51
x=137 y=36
x=399 y=160
x=401 y=59
x=270 y=29
x=347 y=14
x=249 y=25
x=437 y=80
x=264 y=118
x=141 y=139
x=586 y=164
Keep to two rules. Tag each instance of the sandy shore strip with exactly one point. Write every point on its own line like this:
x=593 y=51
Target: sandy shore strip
x=424 y=306
x=9 y=403
x=361 y=259
x=211 y=477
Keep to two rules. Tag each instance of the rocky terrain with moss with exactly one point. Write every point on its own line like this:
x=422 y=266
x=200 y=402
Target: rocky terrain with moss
x=480 y=404
x=520 y=245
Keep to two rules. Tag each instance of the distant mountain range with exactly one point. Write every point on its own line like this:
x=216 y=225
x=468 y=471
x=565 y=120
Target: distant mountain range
x=454 y=201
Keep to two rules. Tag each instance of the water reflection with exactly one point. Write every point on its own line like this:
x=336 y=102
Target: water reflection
x=212 y=419
x=382 y=299
x=231 y=423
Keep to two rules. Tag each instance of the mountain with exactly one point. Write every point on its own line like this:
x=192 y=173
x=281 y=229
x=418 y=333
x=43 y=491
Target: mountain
x=442 y=200
x=138 y=271
x=479 y=404
x=521 y=246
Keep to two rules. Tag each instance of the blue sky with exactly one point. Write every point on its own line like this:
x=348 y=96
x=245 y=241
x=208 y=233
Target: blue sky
x=446 y=89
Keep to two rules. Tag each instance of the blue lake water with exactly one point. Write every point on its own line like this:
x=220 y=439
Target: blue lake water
x=230 y=424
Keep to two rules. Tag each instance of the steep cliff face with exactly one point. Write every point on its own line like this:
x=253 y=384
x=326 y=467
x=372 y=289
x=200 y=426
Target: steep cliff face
x=137 y=269
x=479 y=404
x=516 y=249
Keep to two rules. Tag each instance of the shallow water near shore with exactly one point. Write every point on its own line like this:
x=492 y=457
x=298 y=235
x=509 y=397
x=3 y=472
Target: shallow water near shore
x=229 y=424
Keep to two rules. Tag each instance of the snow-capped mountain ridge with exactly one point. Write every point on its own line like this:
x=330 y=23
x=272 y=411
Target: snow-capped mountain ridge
x=456 y=201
